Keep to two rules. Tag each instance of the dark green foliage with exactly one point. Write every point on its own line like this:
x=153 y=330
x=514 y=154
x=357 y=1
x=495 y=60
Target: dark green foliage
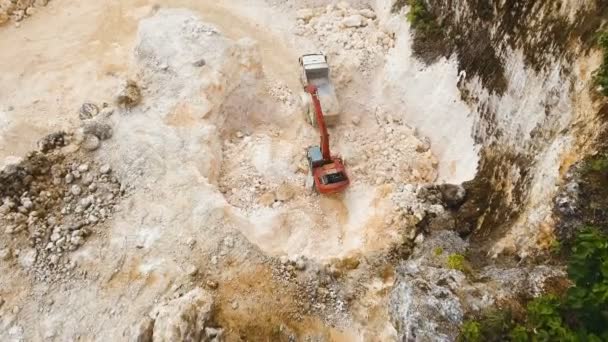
x=580 y=315
x=597 y=164
x=470 y=331
x=493 y=326
x=601 y=75
x=420 y=18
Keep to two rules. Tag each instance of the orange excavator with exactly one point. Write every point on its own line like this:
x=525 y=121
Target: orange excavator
x=327 y=171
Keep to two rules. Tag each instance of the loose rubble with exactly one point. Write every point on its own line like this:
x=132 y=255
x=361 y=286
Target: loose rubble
x=343 y=29
x=390 y=153
x=17 y=10
x=51 y=204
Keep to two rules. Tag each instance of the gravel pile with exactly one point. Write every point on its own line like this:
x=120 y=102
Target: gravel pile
x=51 y=203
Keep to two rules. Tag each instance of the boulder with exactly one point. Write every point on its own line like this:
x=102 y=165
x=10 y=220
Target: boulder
x=453 y=195
x=367 y=13
x=305 y=14
x=101 y=130
x=181 y=319
x=130 y=95
x=355 y=20
x=284 y=192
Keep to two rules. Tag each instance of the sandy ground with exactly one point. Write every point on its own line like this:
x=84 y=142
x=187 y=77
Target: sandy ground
x=214 y=161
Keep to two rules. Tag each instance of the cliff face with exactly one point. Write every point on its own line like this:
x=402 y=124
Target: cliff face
x=506 y=92
x=526 y=71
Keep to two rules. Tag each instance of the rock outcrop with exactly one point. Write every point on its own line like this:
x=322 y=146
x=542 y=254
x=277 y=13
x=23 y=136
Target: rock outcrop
x=186 y=318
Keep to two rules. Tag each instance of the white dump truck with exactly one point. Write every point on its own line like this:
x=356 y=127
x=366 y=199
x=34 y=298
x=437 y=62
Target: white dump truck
x=315 y=71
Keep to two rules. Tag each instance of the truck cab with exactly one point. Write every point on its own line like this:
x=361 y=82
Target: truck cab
x=315 y=71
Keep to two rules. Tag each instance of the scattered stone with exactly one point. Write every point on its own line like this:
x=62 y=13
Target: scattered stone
x=83 y=168
x=191 y=270
x=52 y=141
x=130 y=95
x=41 y=3
x=87 y=179
x=212 y=284
x=103 y=131
x=356 y=120
x=90 y=143
x=424 y=145
x=77 y=240
x=190 y=242
x=267 y=199
x=214 y=334
x=235 y=305
x=88 y=111
x=105 y=169
x=75 y=190
x=229 y=241
x=5 y=254
x=93 y=219
x=305 y=14
x=300 y=264
x=28 y=259
x=367 y=13
x=453 y=195
x=86 y=202
x=352 y=21
x=18 y=15
x=27 y=203
x=200 y=63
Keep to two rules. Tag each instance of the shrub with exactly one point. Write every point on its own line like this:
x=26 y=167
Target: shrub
x=601 y=75
x=470 y=331
x=597 y=163
x=580 y=315
x=438 y=251
x=420 y=17
x=456 y=262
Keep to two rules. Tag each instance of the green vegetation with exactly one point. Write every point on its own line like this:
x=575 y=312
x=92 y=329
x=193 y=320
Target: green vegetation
x=470 y=331
x=601 y=75
x=456 y=262
x=598 y=163
x=493 y=326
x=438 y=251
x=580 y=315
x=420 y=17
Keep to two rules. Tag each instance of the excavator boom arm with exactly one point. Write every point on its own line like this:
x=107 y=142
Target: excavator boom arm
x=312 y=90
